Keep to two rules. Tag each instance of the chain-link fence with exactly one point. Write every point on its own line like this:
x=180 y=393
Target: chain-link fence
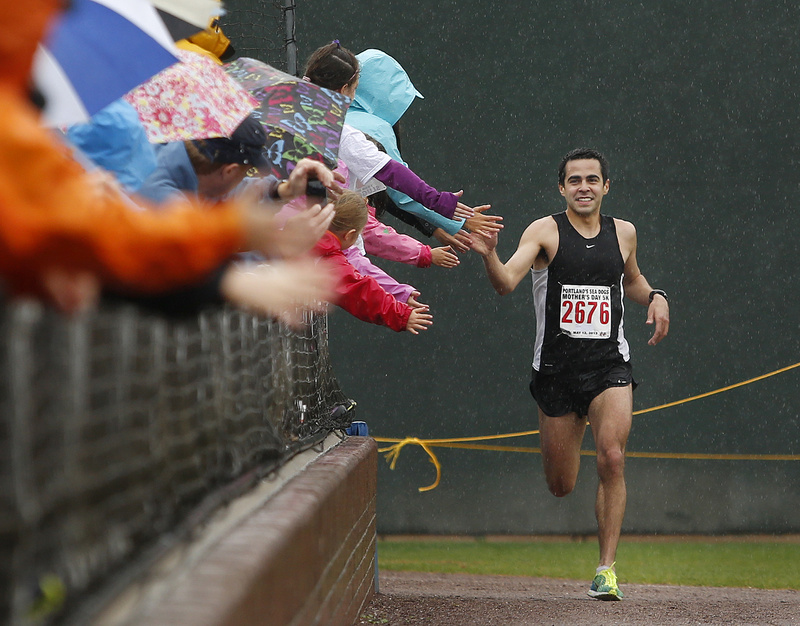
x=119 y=431
x=264 y=30
x=121 y=428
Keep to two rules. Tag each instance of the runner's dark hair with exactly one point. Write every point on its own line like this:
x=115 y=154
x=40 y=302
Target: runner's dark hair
x=582 y=153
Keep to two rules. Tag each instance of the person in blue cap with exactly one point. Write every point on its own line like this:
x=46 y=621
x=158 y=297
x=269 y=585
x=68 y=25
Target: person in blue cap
x=212 y=168
x=208 y=168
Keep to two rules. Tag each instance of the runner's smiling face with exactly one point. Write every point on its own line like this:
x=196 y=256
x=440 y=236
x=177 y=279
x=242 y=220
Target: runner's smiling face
x=584 y=186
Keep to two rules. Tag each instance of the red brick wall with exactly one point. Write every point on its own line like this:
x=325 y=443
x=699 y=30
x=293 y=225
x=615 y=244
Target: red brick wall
x=305 y=558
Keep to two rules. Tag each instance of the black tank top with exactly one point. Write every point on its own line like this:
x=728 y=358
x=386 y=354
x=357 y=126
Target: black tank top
x=578 y=301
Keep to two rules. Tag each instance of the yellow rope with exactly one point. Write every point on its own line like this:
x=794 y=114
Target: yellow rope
x=716 y=391
x=393 y=451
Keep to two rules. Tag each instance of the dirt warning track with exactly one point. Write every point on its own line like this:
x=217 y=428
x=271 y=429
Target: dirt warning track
x=470 y=600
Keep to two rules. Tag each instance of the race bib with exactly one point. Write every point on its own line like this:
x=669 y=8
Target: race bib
x=586 y=311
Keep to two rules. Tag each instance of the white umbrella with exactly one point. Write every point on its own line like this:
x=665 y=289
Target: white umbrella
x=193 y=12
x=97 y=52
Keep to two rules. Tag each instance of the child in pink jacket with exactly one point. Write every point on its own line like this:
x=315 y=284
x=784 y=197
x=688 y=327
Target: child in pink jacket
x=385 y=242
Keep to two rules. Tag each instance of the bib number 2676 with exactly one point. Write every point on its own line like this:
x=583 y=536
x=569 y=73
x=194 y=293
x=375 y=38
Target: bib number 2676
x=586 y=311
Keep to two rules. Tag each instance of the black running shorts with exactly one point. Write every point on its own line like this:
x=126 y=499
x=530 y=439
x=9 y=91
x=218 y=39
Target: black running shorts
x=573 y=391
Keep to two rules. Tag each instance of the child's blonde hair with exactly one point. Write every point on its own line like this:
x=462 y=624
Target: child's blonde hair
x=351 y=213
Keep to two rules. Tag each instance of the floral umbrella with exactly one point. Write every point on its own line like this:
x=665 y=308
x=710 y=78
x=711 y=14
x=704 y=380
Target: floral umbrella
x=193 y=99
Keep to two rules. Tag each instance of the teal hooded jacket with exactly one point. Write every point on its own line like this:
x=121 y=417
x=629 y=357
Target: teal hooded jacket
x=383 y=95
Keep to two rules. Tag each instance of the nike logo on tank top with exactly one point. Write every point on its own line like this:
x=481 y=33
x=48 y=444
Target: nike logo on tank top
x=578 y=301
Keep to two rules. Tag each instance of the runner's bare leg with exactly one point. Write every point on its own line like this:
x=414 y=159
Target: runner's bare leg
x=561 y=439
x=610 y=417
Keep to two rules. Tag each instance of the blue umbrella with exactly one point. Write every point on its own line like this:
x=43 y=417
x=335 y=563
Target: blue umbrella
x=97 y=52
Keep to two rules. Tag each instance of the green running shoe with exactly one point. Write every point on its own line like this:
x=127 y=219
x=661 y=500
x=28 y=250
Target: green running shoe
x=604 y=585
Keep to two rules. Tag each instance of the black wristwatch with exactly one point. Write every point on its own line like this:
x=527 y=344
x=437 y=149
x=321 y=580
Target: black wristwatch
x=659 y=292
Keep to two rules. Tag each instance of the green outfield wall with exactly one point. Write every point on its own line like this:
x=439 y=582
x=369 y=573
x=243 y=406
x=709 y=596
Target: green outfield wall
x=696 y=106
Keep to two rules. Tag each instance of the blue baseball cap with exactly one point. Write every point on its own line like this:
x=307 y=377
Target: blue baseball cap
x=245 y=145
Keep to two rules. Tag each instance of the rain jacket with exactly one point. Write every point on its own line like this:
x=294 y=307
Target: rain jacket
x=400 y=291
x=115 y=140
x=383 y=95
x=211 y=42
x=385 y=242
x=174 y=177
x=360 y=295
x=54 y=215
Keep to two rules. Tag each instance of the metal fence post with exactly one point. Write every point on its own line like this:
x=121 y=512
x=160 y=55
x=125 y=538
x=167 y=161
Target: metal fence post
x=290 y=41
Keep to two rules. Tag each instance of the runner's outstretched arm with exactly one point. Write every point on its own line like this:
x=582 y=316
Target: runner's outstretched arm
x=506 y=277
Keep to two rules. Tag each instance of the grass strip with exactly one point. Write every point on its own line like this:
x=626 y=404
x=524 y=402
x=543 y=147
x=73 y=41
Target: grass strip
x=714 y=563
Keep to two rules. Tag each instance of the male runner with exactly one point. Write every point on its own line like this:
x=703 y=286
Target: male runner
x=582 y=263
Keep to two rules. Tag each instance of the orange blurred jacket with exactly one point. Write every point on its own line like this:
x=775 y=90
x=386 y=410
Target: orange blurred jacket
x=54 y=215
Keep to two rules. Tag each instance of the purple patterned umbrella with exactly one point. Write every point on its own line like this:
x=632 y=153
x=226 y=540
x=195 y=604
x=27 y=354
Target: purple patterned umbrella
x=302 y=120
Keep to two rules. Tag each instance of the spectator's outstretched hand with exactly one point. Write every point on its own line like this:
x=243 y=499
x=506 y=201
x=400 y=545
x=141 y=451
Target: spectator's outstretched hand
x=444 y=257
x=419 y=320
x=298 y=236
x=282 y=289
x=414 y=303
x=72 y=292
x=484 y=224
x=462 y=211
x=304 y=229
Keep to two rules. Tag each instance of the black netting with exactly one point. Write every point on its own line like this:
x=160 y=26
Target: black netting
x=117 y=427
x=121 y=430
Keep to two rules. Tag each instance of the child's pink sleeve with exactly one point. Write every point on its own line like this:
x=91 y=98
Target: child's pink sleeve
x=401 y=291
x=385 y=242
